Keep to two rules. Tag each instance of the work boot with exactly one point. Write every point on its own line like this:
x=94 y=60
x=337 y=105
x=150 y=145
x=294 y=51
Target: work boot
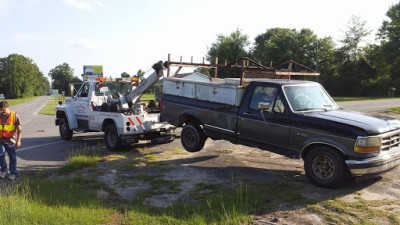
x=12 y=177
x=3 y=175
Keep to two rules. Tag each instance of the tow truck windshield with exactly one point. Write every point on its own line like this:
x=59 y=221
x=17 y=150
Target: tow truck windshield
x=110 y=88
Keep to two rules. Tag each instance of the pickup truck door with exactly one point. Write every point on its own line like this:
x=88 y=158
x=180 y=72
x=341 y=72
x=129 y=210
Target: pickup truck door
x=265 y=117
x=83 y=108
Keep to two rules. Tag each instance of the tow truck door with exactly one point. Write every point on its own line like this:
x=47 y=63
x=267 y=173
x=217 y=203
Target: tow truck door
x=83 y=108
x=264 y=117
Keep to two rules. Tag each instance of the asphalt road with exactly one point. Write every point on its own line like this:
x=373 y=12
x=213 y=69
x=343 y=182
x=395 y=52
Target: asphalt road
x=370 y=106
x=42 y=147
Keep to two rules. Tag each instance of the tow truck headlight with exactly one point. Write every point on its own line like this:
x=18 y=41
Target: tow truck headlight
x=367 y=144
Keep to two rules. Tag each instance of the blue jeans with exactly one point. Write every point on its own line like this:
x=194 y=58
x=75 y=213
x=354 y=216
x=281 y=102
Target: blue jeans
x=12 y=156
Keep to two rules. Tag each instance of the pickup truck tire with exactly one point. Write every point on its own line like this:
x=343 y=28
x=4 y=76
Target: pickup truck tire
x=65 y=132
x=192 y=138
x=324 y=167
x=113 y=141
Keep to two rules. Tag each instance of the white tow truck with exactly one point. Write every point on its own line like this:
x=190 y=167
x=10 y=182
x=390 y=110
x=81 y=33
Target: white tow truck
x=111 y=105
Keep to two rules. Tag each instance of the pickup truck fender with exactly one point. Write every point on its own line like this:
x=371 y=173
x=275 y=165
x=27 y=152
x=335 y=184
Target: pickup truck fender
x=70 y=114
x=313 y=142
x=189 y=115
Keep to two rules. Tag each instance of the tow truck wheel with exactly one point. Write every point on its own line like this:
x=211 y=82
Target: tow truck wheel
x=65 y=132
x=113 y=141
x=192 y=138
x=324 y=167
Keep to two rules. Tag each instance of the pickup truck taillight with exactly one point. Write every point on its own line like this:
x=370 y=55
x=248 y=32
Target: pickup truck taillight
x=160 y=105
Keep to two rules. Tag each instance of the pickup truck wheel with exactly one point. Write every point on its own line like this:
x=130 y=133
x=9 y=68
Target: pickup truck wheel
x=192 y=138
x=324 y=167
x=113 y=141
x=65 y=132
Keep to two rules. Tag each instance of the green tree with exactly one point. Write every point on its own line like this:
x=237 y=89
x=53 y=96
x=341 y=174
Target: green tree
x=125 y=75
x=229 y=48
x=278 y=45
x=140 y=75
x=355 y=34
x=62 y=75
x=326 y=63
x=389 y=35
x=354 y=67
x=20 y=77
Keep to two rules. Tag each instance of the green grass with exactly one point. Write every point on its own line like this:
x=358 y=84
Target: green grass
x=348 y=99
x=43 y=201
x=50 y=107
x=147 y=97
x=219 y=204
x=339 y=211
x=20 y=100
x=74 y=201
x=395 y=110
x=77 y=161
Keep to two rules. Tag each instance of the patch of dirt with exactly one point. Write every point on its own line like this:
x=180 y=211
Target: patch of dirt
x=221 y=162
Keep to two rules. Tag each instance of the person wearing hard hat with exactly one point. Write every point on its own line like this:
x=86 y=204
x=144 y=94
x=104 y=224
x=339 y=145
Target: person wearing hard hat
x=10 y=139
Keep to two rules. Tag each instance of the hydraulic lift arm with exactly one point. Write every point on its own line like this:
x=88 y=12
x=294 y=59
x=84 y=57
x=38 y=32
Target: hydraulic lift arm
x=144 y=85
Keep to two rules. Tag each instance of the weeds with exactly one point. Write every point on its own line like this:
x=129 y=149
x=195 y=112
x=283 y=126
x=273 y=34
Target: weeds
x=41 y=201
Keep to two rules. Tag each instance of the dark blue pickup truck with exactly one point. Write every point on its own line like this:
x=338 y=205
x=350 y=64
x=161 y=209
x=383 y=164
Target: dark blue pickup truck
x=294 y=118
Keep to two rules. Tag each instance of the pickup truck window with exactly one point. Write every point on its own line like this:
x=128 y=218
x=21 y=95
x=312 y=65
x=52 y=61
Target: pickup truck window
x=308 y=97
x=279 y=107
x=265 y=95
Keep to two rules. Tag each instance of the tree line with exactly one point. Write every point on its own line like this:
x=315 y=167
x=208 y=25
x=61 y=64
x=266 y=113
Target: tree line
x=21 y=77
x=353 y=68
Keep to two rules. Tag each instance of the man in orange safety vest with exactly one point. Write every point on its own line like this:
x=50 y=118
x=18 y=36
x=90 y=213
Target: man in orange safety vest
x=10 y=139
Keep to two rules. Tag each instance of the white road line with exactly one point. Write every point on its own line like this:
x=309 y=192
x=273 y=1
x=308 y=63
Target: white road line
x=37 y=146
x=40 y=108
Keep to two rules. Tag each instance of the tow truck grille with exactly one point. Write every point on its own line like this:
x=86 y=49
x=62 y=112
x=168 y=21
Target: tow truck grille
x=391 y=141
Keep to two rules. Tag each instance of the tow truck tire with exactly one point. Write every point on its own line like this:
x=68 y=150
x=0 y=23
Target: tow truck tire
x=65 y=132
x=192 y=138
x=113 y=141
x=324 y=167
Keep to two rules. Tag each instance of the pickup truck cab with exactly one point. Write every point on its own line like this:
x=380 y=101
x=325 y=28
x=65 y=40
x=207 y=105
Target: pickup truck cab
x=294 y=118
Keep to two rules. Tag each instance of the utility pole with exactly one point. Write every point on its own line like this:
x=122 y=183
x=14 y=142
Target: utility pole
x=316 y=60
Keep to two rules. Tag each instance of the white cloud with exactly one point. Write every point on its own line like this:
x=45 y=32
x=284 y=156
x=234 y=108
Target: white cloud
x=6 y=6
x=85 y=4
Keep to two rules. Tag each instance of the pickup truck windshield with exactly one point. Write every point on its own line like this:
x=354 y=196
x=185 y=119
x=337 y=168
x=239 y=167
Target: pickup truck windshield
x=308 y=97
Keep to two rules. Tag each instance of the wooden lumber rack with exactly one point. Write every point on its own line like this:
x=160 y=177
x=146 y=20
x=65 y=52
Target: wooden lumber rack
x=248 y=68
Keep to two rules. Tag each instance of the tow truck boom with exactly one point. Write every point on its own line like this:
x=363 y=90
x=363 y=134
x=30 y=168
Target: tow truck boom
x=143 y=86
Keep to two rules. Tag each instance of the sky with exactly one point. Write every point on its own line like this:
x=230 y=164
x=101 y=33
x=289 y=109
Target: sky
x=128 y=35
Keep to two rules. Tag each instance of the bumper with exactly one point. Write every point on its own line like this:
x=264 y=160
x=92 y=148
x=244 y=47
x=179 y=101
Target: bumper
x=375 y=165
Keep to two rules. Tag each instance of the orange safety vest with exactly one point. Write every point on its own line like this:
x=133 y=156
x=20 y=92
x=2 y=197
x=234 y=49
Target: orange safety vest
x=7 y=130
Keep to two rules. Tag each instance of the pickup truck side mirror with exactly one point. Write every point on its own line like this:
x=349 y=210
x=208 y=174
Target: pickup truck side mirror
x=264 y=106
